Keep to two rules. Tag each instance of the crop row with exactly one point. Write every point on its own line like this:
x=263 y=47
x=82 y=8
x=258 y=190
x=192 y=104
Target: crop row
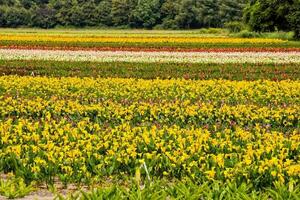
x=152 y=57
x=89 y=90
x=183 y=114
x=151 y=70
x=171 y=45
x=119 y=39
x=45 y=149
x=153 y=49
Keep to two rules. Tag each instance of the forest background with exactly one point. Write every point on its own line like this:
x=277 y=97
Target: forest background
x=238 y=15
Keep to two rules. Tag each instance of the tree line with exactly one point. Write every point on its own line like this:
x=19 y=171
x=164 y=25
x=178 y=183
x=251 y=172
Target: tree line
x=259 y=15
x=273 y=15
x=166 y=14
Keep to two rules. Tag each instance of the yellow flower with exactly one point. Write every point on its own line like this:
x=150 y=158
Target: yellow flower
x=220 y=160
x=141 y=161
x=273 y=173
x=211 y=173
x=136 y=39
x=35 y=169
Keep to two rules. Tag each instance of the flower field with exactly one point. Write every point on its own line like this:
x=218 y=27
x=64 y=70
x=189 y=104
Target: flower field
x=134 y=39
x=204 y=118
x=154 y=57
x=138 y=39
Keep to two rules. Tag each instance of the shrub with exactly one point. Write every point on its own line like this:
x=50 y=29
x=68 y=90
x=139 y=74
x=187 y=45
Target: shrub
x=16 y=17
x=279 y=35
x=168 y=24
x=234 y=26
x=2 y=17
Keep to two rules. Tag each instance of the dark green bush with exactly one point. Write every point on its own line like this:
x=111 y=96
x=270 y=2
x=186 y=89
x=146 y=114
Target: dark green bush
x=14 y=17
x=2 y=17
x=234 y=26
x=247 y=34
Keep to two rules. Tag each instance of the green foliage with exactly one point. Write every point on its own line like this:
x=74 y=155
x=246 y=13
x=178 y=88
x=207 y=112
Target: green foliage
x=43 y=17
x=271 y=15
x=271 y=35
x=186 y=17
x=2 y=16
x=282 y=192
x=14 y=188
x=120 y=12
x=14 y=16
x=209 y=10
x=146 y=13
x=186 y=190
x=169 y=10
x=294 y=19
x=234 y=26
x=151 y=71
x=231 y=10
x=247 y=34
x=278 y=35
x=166 y=14
x=216 y=31
x=104 y=13
x=259 y=15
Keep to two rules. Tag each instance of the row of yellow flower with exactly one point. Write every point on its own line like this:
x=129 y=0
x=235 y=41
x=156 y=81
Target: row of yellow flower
x=84 y=129
x=216 y=92
x=203 y=40
x=183 y=113
x=46 y=149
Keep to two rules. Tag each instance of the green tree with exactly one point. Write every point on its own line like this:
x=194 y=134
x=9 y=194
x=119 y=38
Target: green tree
x=267 y=15
x=2 y=16
x=168 y=12
x=43 y=17
x=294 y=19
x=135 y=13
x=146 y=13
x=120 y=12
x=16 y=17
x=271 y=15
x=64 y=11
x=27 y=4
x=104 y=13
x=231 y=10
x=89 y=13
x=208 y=13
x=188 y=12
x=84 y=14
x=8 y=2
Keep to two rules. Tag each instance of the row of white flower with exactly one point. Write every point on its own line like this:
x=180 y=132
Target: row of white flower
x=149 y=57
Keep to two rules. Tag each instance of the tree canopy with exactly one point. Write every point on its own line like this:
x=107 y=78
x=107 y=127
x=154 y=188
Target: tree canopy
x=171 y=14
x=260 y=15
x=271 y=15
